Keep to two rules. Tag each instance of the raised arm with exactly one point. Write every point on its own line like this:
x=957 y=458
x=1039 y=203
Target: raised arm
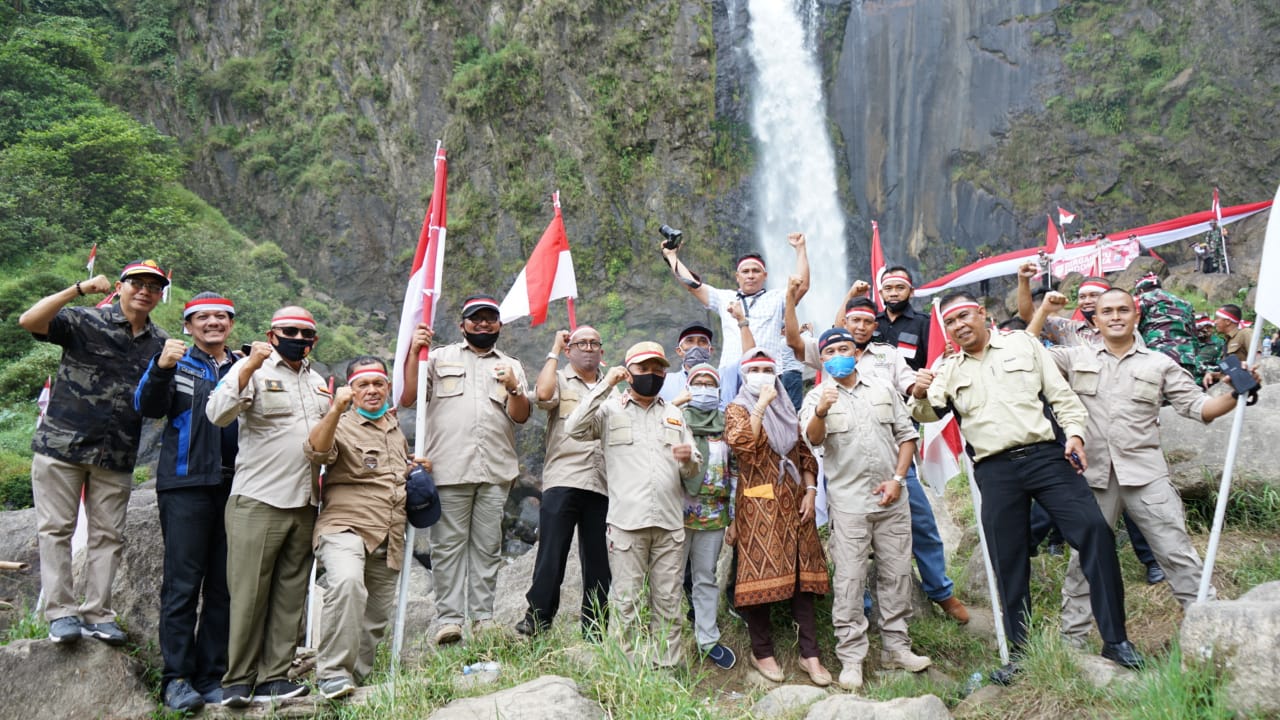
x=421 y=338
x=1026 y=306
x=687 y=277
x=790 y=323
x=797 y=241
x=744 y=326
x=37 y=318
x=544 y=387
x=1052 y=303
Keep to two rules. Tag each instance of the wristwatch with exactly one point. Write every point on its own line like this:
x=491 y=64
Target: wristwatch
x=901 y=480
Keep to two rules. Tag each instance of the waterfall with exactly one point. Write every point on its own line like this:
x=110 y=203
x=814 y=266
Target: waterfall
x=795 y=182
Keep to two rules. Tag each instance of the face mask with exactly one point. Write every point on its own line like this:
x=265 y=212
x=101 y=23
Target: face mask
x=704 y=397
x=1087 y=315
x=484 y=341
x=647 y=384
x=755 y=381
x=840 y=366
x=374 y=415
x=696 y=355
x=293 y=349
x=897 y=307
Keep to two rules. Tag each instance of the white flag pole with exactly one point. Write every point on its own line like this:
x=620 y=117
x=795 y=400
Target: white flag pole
x=996 y=612
x=419 y=447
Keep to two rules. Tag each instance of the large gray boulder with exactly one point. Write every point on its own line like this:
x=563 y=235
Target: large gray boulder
x=549 y=697
x=786 y=700
x=20 y=588
x=1240 y=637
x=40 y=680
x=840 y=707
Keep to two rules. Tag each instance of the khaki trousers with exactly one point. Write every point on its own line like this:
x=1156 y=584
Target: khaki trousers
x=1157 y=509
x=658 y=556
x=853 y=537
x=268 y=566
x=466 y=550
x=359 y=593
x=56 y=487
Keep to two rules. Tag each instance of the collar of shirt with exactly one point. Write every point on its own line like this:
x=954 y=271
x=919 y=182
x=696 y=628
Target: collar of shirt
x=996 y=340
x=570 y=375
x=626 y=399
x=908 y=314
x=116 y=317
x=1133 y=349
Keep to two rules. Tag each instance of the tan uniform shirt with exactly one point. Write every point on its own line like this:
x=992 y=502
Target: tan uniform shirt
x=643 y=477
x=277 y=409
x=880 y=360
x=364 y=484
x=470 y=437
x=996 y=397
x=569 y=462
x=1238 y=343
x=1123 y=398
x=865 y=427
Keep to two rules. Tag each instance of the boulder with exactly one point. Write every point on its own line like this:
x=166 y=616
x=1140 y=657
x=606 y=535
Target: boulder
x=784 y=701
x=20 y=588
x=39 y=680
x=1126 y=278
x=837 y=707
x=1197 y=452
x=1239 y=636
x=549 y=697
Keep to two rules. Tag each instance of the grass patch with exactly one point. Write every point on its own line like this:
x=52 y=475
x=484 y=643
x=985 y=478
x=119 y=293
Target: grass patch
x=28 y=625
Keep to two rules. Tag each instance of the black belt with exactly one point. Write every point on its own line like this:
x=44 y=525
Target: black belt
x=1023 y=451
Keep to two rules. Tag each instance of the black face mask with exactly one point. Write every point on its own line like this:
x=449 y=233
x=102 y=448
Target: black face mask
x=1087 y=315
x=646 y=384
x=484 y=341
x=897 y=307
x=293 y=349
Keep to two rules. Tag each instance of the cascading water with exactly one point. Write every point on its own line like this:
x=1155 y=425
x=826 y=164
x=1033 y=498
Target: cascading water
x=795 y=183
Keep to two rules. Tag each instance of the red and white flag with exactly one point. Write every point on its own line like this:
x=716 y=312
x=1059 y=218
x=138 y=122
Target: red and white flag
x=42 y=401
x=1216 y=207
x=942 y=445
x=422 y=294
x=1065 y=217
x=106 y=301
x=1267 y=298
x=93 y=258
x=1052 y=241
x=877 y=266
x=547 y=276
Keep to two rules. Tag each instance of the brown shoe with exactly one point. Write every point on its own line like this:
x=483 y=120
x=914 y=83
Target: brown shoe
x=956 y=609
x=770 y=671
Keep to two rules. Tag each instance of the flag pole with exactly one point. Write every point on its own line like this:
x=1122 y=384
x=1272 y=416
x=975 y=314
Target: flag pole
x=1224 y=488
x=997 y=613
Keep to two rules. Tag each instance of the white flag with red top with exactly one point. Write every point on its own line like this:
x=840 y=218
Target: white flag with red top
x=93 y=258
x=940 y=451
x=877 y=266
x=1065 y=217
x=42 y=401
x=1216 y=208
x=547 y=276
x=422 y=293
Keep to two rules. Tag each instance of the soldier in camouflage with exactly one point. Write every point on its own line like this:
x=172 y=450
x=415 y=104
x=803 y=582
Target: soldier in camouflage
x=88 y=441
x=1212 y=346
x=1167 y=324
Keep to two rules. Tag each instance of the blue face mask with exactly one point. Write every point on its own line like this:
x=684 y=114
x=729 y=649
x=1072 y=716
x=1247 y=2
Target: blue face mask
x=374 y=416
x=840 y=366
x=704 y=397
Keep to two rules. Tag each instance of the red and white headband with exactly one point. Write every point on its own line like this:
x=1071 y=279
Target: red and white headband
x=208 y=305
x=897 y=278
x=582 y=328
x=954 y=308
x=759 y=361
x=367 y=371
x=1204 y=322
x=293 y=320
x=1100 y=287
x=1226 y=315
x=860 y=312
x=746 y=260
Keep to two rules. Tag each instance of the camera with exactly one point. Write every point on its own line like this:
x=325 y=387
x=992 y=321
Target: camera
x=671 y=237
x=1242 y=381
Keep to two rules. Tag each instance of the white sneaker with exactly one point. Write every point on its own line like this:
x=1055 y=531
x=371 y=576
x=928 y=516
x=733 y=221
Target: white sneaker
x=904 y=659
x=851 y=678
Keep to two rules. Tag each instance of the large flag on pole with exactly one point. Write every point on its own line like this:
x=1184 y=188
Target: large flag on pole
x=547 y=276
x=877 y=266
x=1267 y=301
x=42 y=401
x=93 y=258
x=942 y=444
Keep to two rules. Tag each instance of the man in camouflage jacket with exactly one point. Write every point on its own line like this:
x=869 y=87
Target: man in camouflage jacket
x=1167 y=324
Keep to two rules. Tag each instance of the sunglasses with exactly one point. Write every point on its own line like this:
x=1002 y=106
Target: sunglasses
x=151 y=287
x=293 y=332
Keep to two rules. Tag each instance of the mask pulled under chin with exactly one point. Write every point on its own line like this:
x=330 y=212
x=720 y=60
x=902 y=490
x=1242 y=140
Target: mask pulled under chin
x=374 y=415
x=646 y=384
x=293 y=349
x=484 y=341
x=897 y=307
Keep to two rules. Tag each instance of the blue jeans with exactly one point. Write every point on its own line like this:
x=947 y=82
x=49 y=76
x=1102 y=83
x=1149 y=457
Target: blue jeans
x=926 y=546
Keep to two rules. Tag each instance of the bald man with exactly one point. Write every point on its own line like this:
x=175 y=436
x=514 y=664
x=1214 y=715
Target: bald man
x=271 y=513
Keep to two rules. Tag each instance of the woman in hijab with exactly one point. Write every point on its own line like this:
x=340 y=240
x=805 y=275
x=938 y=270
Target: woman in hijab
x=779 y=554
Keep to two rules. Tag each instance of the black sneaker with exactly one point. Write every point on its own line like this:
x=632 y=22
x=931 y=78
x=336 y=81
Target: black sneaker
x=1006 y=674
x=108 y=632
x=65 y=630
x=1154 y=574
x=279 y=690
x=180 y=696
x=722 y=656
x=213 y=696
x=236 y=696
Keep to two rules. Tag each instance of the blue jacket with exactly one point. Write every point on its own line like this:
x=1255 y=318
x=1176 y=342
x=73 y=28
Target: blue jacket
x=194 y=452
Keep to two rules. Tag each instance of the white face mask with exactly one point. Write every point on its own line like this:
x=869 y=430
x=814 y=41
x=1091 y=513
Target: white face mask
x=704 y=397
x=758 y=380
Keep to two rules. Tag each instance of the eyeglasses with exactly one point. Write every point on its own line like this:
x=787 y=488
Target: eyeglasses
x=585 y=345
x=151 y=287
x=293 y=332
x=483 y=319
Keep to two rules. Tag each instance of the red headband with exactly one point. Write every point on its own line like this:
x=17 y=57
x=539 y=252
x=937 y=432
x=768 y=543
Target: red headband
x=1092 y=285
x=901 y=278
x=367 y=370
x=759 y=360
x=1225 y=315
x=298 y=320
x=860 y=312
x=746 y=260
x=206 y=304
x=954 y=308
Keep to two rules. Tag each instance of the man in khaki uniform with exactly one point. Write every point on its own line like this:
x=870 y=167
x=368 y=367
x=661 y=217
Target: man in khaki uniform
x=868 y=443
x=270 y=515
x=1122 y=384
x=475 y=398
x=1228 y=322
x=573 y=490
x=648 y=452
x=995 y=385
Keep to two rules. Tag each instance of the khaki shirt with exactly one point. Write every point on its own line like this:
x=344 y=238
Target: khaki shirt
x=1238 y=343
x=643 y=477
x=1123 y=396
x=569 y=462
x=364 y=484
x=864 y=429
x=277 y=409
x=882 y=361
x=997 y=396
x=470 y=437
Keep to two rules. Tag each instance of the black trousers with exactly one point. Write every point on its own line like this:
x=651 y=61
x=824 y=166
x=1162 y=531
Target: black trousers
x=1008 y=482
x=194 y=645
x=1042 y=526
x=564 y=510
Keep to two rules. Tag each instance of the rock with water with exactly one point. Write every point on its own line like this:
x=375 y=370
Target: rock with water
x=784 y=701
x=1239 y=636
x=841 y=707
x=40 y=680
x=549 y=697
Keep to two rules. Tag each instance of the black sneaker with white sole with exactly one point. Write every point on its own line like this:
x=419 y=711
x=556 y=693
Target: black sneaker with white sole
x=108 y=632
x=65 y=630
x=279 y=690
x=236 y=696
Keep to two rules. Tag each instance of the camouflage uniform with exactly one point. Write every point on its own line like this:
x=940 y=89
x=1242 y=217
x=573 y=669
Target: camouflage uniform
x=1211 y=351
x=89 y=439
x=1168 y=325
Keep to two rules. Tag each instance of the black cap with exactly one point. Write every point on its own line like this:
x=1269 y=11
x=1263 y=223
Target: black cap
x=421 y=500
x=834 y=335
x=476 y=303
x=695 y=329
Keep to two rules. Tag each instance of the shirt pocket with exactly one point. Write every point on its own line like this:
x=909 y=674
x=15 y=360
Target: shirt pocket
x=1084 y=381
x=620 y=430
x=671 y=436
x=568 y=403
x=1146 y=386
x=371 y=457
x=449 y=380
x=275 y=402
x=882 y=407
x=838 y=421
x=965 y=395
x=1020 y=373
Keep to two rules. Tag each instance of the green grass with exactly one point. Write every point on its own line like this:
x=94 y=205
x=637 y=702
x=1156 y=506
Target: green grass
x=27 y=625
